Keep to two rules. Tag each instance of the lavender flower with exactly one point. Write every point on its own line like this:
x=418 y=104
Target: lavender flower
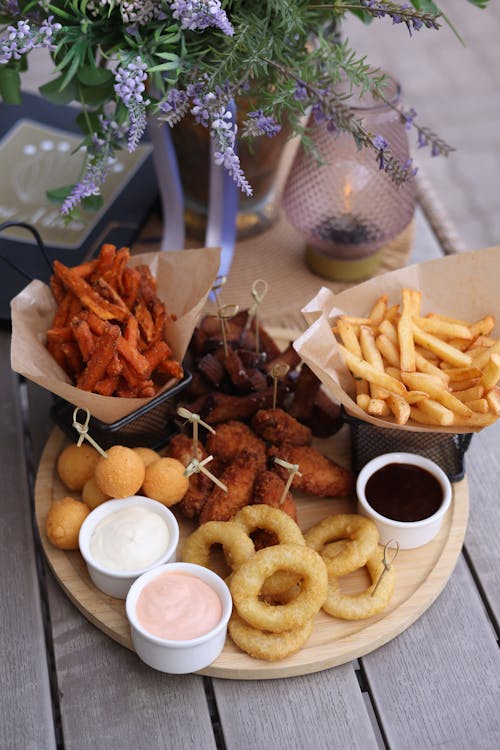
x=105 y=143
x=211 y=111
x=175 y=106
x=200 y=14
x=133 y=11
x=412 y=18
x=130 y=81
x=300 y=93
x=23 y=38
x=259 y=124
x=129 y=87
x=231 y=163
x=90 y=184
x=408 y=117
x=380 y=143
x=9 y=7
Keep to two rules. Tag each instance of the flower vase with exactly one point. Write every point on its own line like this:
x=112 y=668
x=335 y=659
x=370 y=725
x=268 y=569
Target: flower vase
x=260 y=159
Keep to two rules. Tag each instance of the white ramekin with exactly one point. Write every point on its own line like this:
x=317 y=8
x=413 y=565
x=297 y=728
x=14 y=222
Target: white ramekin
x=408 y=534
x=116 y=583
x=179 y=657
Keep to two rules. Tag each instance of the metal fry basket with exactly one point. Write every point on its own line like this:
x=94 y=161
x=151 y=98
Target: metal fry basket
x=447 y=450
x=151 y=426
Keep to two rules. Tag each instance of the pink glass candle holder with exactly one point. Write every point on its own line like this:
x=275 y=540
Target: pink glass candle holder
x=347 y=208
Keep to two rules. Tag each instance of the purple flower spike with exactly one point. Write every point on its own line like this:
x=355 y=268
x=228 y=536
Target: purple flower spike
x=380 y=142
x=200 y=14
x=262 y=125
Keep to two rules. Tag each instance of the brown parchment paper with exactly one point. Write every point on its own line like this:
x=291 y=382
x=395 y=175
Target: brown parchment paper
x=465 y=286
x=184 y=280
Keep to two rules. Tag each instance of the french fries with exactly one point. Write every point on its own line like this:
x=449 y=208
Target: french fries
x=430 y=369
x=108 y=331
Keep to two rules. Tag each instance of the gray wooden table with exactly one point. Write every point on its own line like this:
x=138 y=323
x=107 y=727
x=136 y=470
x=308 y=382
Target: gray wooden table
x=64 y=684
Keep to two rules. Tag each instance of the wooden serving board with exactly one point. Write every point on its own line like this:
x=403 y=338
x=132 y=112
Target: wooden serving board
x=421 y=575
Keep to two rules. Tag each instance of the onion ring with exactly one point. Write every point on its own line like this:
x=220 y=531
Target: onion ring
x=237 y=546
x=362 y=539
x=265 y=517
x=363 y=605
x=264 y=645
x=246 y=584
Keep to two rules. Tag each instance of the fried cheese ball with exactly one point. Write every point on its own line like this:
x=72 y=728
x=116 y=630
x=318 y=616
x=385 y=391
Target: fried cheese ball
x=92 y=495
x=148 y=455
x=165 y=481
x=77 y=464
x=63 y=522
x=121 y=474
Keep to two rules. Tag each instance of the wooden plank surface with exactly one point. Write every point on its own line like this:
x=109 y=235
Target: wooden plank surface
x=25 y=703
x=438 y=683
x=110 y=699
x=481 y=541
x=323 y=710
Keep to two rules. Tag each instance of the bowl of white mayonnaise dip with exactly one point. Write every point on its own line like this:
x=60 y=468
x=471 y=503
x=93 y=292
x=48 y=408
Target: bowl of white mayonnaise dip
x=122 y=539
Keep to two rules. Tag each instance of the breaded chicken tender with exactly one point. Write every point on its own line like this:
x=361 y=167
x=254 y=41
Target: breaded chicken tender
x=232 y=438
x=276 y=426
x=239 y=477
x=181 y=448
x=320 y=475
x=200 y=486
x=268 y=490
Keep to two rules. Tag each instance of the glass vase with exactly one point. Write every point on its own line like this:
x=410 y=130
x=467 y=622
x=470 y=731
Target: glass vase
x=347 y=208
x=259 y=158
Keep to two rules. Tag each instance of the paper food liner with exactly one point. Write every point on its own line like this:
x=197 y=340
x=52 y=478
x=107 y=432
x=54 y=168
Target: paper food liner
x=464 y=286
x=184 y=280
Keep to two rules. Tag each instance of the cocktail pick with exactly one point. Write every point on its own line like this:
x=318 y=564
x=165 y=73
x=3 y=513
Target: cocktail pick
x=386 y=563
x=226 y=313
x=279 y=370
x=259 y=291
x=217 y=286
x=293 y=470
x=83 y=431
x=195 y=420
x=195 y=466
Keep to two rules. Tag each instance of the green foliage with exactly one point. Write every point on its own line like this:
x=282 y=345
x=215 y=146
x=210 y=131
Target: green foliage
x=277 y=47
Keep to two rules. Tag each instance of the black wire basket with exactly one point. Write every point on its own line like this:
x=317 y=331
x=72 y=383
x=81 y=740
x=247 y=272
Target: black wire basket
x=447 y=450
x=150 y=426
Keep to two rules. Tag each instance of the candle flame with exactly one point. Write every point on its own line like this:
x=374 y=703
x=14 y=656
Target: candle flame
x=347 y=197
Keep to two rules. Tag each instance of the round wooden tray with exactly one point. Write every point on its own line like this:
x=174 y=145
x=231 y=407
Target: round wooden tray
x=421 y=576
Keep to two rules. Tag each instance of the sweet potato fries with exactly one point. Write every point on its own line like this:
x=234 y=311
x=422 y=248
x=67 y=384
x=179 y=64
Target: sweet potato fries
x=108 y=332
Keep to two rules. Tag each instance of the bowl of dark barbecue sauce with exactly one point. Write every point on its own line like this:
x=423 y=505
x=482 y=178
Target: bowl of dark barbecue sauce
x=406 y=495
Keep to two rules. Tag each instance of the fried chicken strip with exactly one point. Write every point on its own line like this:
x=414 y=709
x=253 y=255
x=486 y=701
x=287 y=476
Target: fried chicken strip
x=200 y=486
x=268 y=490
x=233 y=437
x=276 y=426
x=320 y=475
x=239 y=478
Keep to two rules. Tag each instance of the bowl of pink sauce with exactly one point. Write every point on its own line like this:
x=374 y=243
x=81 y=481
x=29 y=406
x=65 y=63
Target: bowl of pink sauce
x=178 y=615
